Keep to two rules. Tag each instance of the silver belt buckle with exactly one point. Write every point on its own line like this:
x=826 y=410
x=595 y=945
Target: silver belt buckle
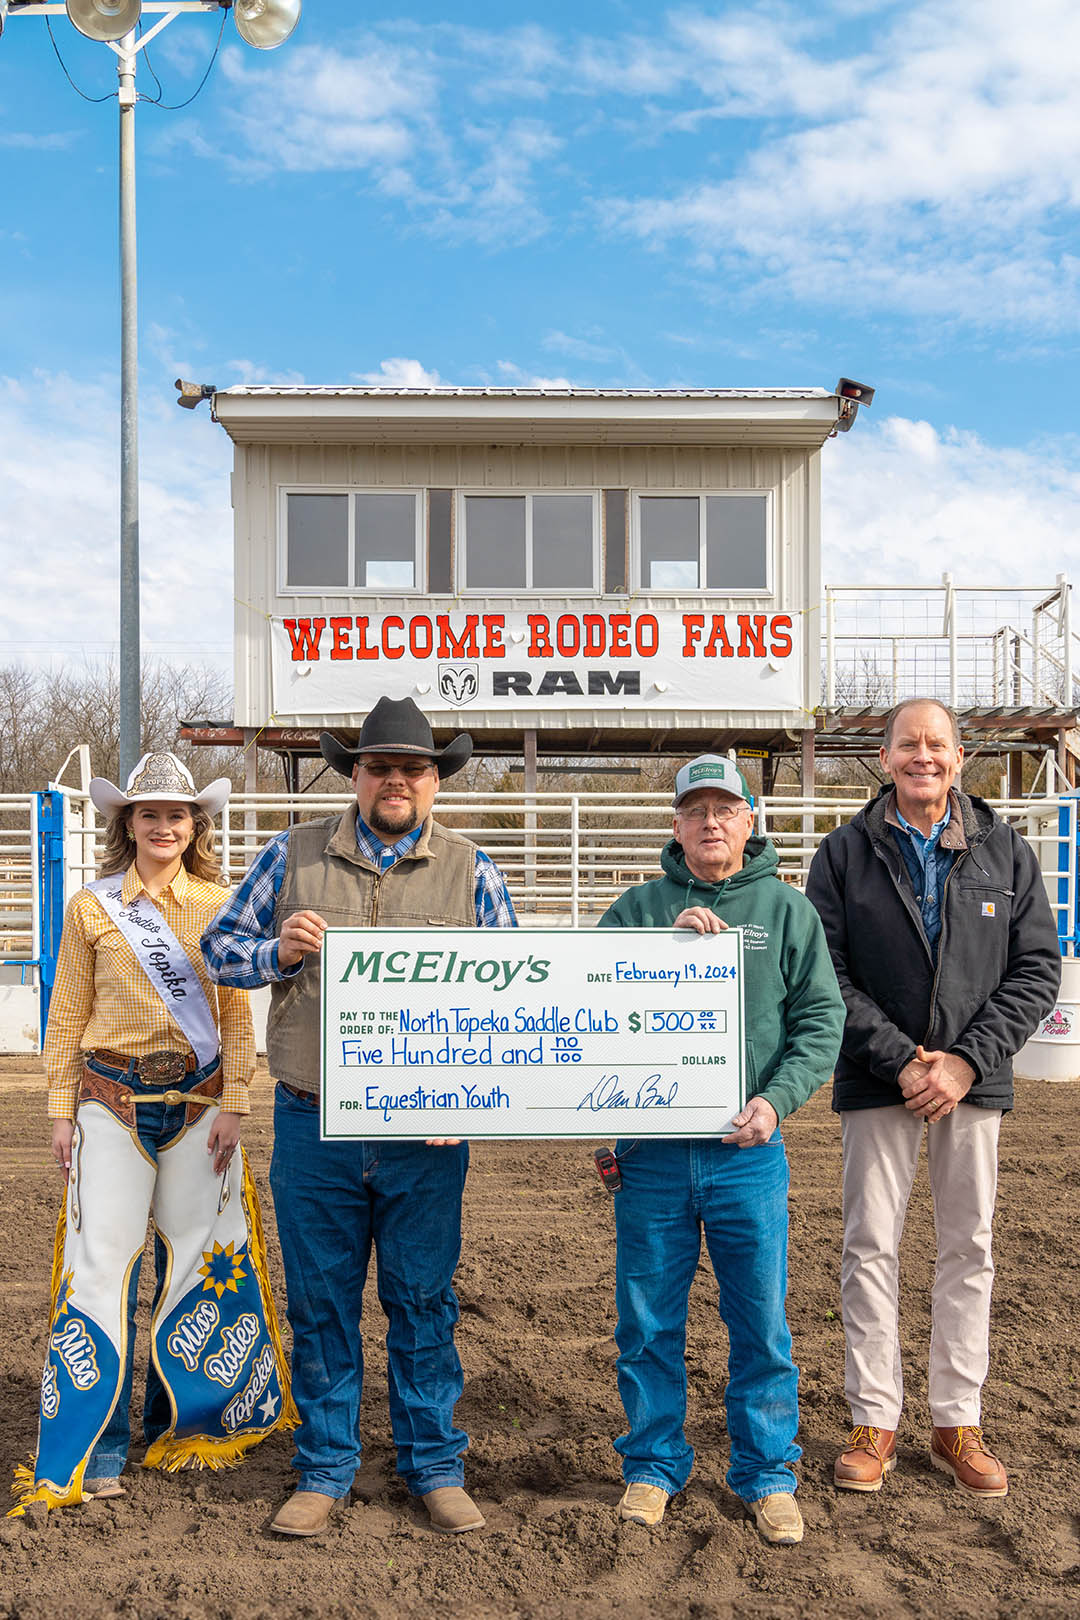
x=160 y=1067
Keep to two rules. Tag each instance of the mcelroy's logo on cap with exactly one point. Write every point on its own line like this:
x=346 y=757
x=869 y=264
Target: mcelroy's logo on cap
x=710 y=770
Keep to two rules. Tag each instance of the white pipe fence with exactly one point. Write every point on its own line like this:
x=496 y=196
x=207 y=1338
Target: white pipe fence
x=18 y=886
x=565 y=856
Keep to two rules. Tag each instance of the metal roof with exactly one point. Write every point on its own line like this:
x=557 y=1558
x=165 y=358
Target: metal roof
x=375 y=414
x=445 y=390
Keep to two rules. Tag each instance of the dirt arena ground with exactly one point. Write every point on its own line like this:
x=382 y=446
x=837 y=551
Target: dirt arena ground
x=541 y=1407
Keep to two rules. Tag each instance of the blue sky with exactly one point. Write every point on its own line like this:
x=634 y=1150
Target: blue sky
x=716 y=194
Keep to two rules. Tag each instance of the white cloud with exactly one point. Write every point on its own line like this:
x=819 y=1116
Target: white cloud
x=512 y=375
x=903 y=501
x=59 y=523
x=930 y=172
x=928 y=167
x=55 y=141
x=577 y=348
x=398 y=372
x=324 y=109
x=249 y=372
x=380 y=108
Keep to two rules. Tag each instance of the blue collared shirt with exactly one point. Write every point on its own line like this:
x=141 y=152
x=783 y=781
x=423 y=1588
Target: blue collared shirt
x=239 y=946
x=928 y=866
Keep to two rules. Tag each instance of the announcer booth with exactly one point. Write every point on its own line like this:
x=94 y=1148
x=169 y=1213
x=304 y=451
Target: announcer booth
x=559 y=571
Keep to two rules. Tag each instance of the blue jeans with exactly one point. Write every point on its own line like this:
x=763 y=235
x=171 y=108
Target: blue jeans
x=333 y=1201
x=157 y=1125
x=671 y=1192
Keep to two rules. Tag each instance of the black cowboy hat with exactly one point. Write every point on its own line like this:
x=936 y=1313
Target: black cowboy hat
x=396 y=726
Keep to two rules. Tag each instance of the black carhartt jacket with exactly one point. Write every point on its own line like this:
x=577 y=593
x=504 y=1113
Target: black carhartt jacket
x=998 y=967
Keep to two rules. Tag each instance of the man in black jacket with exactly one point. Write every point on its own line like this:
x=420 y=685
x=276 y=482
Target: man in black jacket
x=946 y=951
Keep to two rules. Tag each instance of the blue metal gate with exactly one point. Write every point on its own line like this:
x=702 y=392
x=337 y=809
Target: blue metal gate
x=1069 y=873
x=49 y=858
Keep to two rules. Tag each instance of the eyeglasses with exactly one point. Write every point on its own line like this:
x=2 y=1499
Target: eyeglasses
x=700 y=812
x=411 y=769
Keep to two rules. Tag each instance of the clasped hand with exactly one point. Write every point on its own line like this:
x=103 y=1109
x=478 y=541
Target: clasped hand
x=934 y=1083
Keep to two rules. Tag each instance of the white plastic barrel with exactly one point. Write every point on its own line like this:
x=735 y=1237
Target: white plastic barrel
x=1053 y=1052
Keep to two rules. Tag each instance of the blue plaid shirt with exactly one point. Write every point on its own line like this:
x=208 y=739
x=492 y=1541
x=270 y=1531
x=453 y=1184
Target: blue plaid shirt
x=239 y=947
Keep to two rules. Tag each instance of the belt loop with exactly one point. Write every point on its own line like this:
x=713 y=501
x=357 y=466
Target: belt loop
x=129 y=1072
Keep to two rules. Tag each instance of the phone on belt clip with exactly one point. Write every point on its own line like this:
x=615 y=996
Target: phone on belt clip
x=607 y=1168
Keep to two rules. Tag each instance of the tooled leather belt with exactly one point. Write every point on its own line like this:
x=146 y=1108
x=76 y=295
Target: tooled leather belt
x=122 y=1101
x=159 y=1066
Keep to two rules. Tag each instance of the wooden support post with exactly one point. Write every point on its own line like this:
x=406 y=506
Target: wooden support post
x=292 y=776
x=807 y=788
x=251 y=760
x=807 y=783
x=530 y=815
x=251 y=785
x=1016 y=774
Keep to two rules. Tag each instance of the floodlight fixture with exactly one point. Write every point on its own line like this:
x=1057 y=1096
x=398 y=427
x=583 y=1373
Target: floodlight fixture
x=103 y=19
x=266 y=24
x=192 y=393
x=851 y=395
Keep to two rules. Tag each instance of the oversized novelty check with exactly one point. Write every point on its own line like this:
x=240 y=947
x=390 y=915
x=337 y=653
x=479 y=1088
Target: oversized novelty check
x=531 y=1032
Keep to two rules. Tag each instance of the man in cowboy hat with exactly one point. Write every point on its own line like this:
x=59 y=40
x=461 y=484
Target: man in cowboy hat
x=385 y=862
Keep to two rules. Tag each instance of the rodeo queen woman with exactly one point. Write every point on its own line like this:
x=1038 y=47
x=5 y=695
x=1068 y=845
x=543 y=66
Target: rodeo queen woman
x=148 y=1065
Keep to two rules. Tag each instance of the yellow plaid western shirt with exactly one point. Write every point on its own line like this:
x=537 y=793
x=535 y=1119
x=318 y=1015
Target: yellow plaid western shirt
x=102 y=997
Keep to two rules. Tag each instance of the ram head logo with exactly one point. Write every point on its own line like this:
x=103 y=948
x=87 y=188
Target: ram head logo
x=459 y=683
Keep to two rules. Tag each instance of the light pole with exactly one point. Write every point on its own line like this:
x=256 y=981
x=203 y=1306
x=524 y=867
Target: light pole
x=263 y=24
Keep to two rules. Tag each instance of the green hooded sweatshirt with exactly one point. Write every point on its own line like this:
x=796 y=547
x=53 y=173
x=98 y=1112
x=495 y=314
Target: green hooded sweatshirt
x=794 y=1009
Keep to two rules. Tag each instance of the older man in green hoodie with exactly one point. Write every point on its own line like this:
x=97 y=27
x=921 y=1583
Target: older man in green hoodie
x=717 y=875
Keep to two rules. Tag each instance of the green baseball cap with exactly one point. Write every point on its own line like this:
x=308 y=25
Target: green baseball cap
x=711 y=771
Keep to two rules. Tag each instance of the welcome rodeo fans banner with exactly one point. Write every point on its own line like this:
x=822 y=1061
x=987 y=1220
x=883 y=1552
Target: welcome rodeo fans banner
x=585 y=660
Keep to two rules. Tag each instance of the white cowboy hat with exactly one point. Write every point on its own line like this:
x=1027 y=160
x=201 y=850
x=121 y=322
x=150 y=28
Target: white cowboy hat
x=155 y=778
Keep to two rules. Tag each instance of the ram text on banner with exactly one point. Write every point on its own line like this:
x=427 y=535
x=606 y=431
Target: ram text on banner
x=531 y=1033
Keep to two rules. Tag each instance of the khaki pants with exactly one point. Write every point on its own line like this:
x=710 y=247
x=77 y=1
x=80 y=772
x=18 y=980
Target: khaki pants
x=881 y=1150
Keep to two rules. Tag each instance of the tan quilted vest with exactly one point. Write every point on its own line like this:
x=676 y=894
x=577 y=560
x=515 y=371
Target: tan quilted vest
x=433 y=886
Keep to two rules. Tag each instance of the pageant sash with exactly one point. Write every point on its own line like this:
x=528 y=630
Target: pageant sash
x=164 y=961
x=214 y=1335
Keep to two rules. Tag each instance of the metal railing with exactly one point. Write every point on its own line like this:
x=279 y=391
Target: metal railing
x=970 y=646
x=18 y=872
x=566 y=856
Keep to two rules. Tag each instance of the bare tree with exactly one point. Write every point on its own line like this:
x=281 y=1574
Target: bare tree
x=44 y=714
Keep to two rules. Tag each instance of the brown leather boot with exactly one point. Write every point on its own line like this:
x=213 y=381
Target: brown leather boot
x=452 y=1510
x=304 y=1514
x=962 y=1453
x=869 y=1455
x=643 y=1504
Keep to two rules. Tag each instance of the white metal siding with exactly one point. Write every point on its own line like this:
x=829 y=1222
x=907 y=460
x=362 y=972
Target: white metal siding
x=261 y=470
